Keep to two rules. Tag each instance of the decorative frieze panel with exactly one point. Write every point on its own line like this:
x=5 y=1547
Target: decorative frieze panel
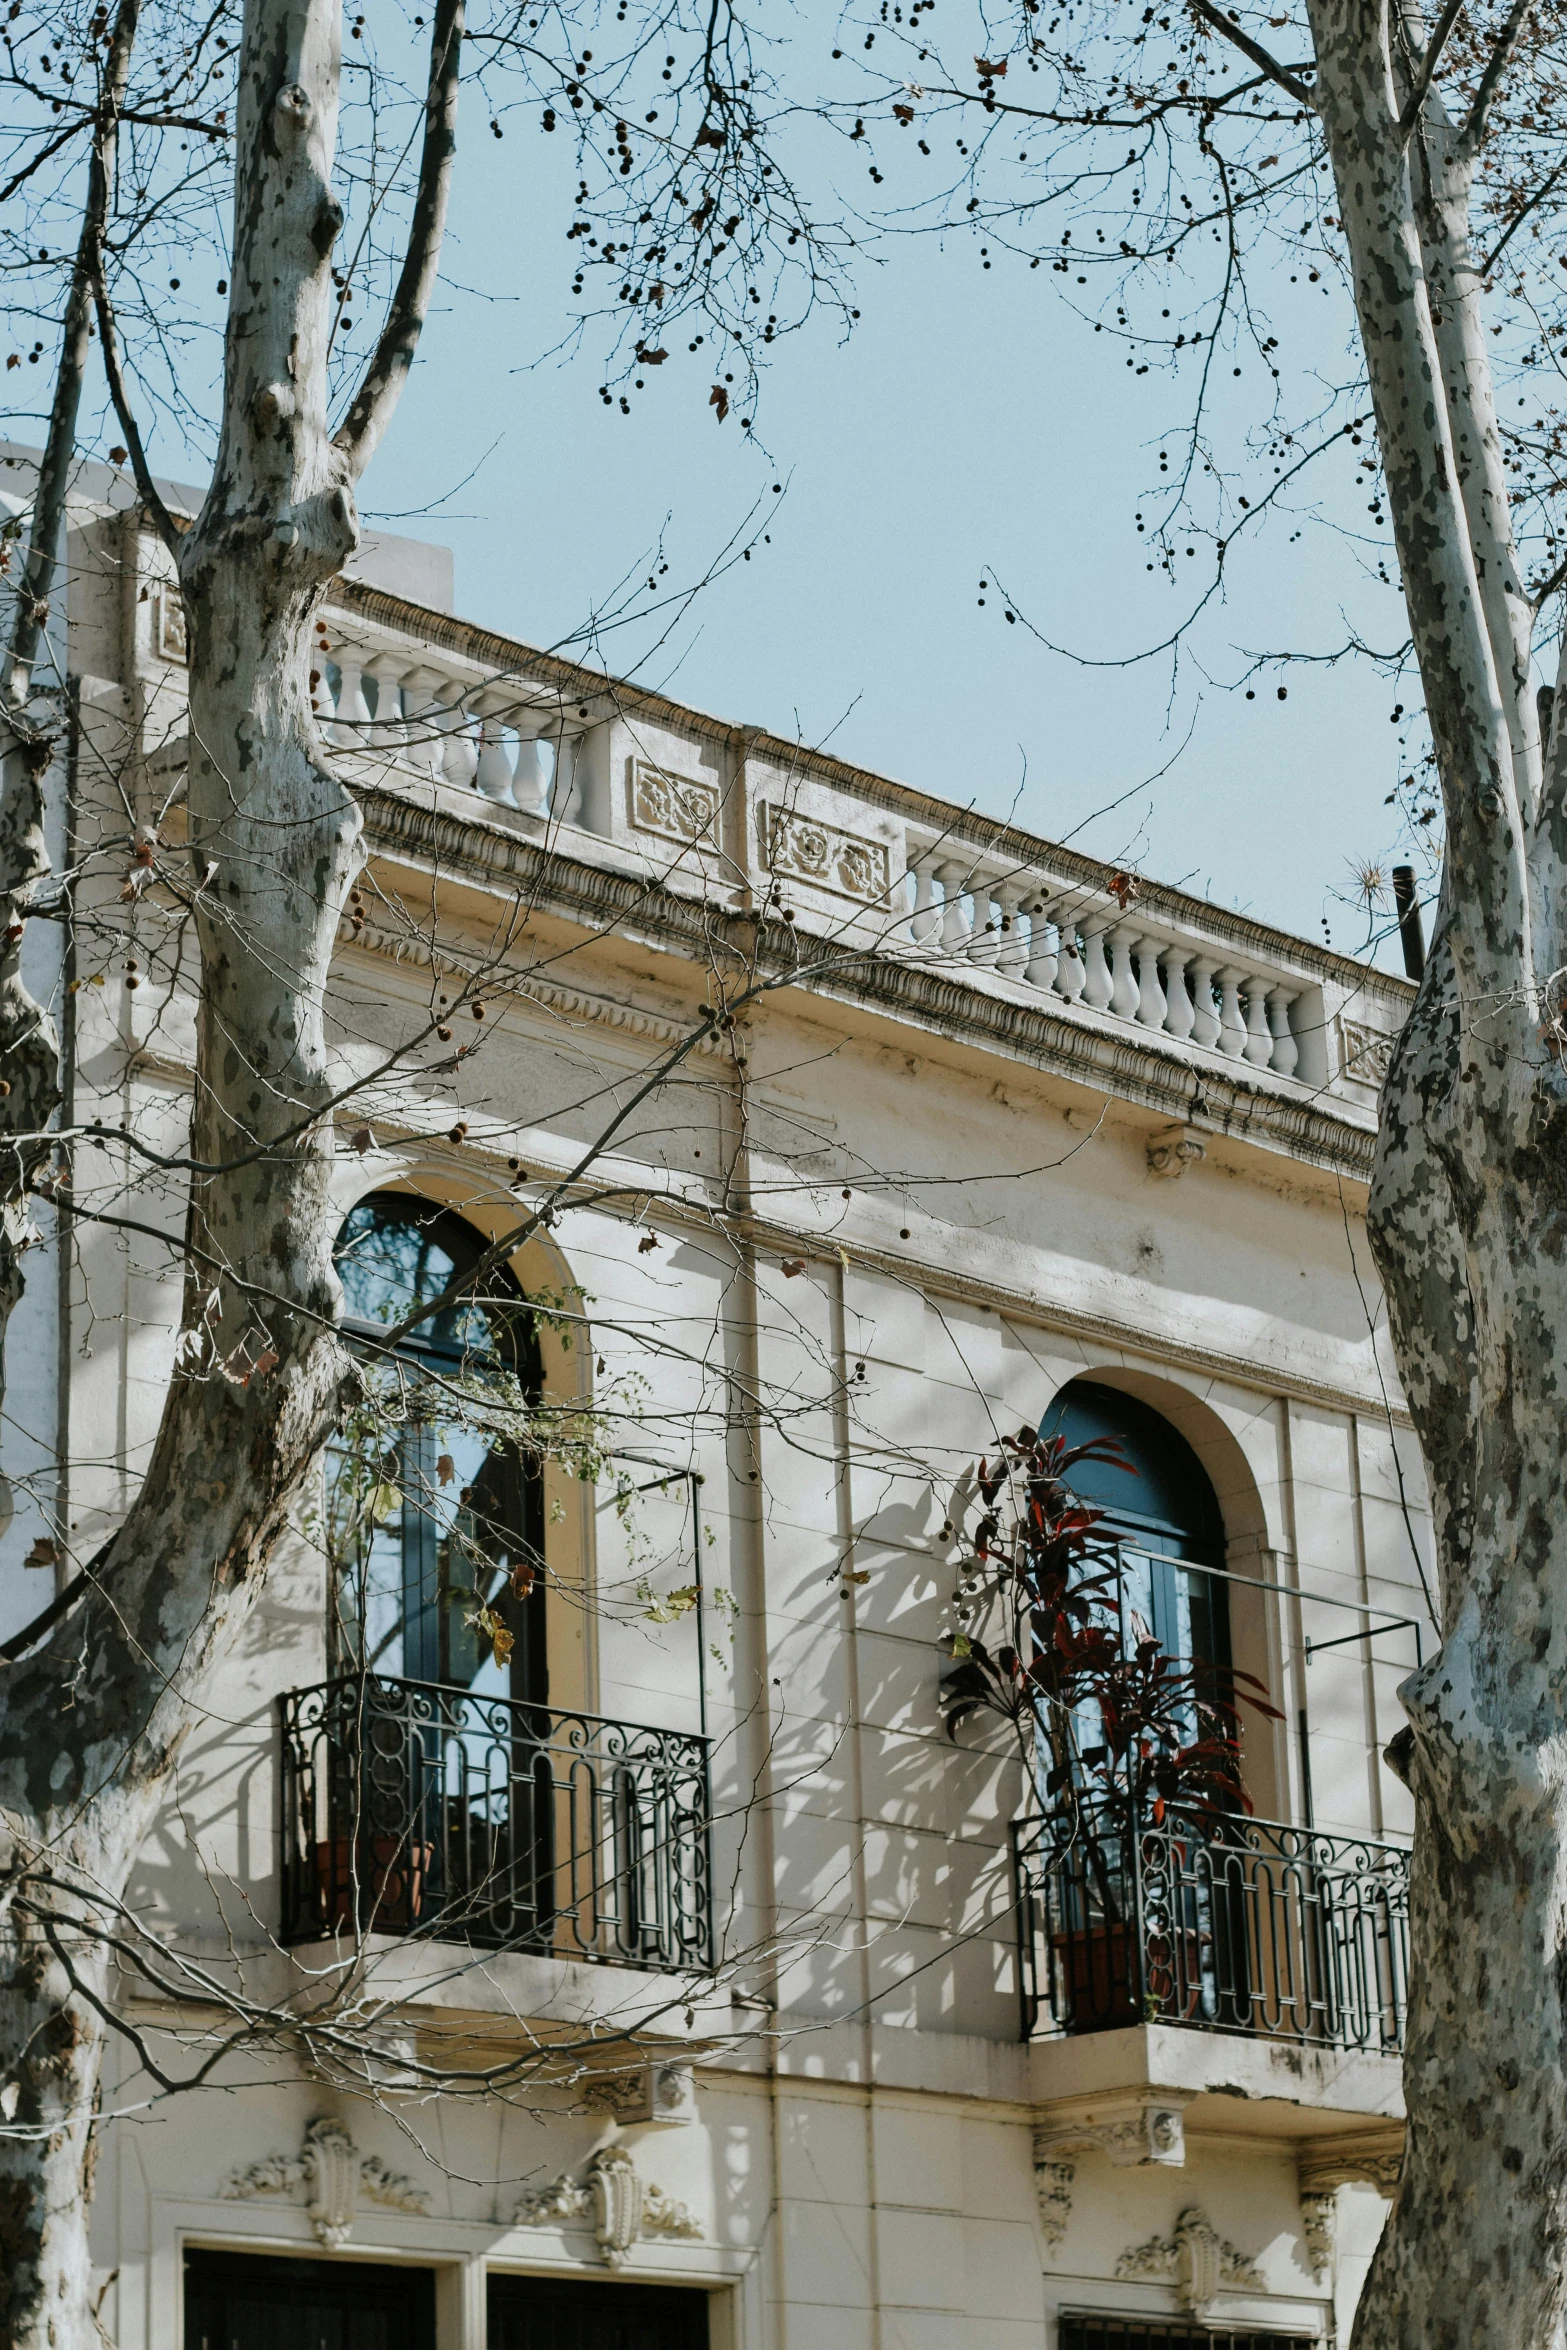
x=681 y=808
x=1367 y=1052
x=333 y=2174
x=168 y=624
x=615 y=2200
x=1195 y=2259
x=824 y=856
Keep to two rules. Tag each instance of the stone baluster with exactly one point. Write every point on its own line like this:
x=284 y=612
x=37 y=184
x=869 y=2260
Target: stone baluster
x=1043 y=959
x=566 y=797
x=389 y=735
x=1232 y=1025
x=1098 y=986
x=985 y=931
x=1286 y=1052
x=925 y=921
x=1179 y=1016
x=348 y=728
x=493 y=773
x=1259 y=1043
x=459 y=751
x=1151 y=1006
x=1071 y=970
x=954 y=928
x=1012 y=953
x=1123 y=992
x=423 y=710
x=530 y=783
x=1205 y=1020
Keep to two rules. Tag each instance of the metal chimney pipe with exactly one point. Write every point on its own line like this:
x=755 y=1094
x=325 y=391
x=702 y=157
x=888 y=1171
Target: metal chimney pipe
x=1410 y=929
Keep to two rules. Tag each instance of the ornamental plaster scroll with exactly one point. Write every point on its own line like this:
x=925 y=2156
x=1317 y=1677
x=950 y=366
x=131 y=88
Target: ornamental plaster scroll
x=1319 y=2228
x=334 y=2174
x=673 y=807
x=1136 y=2131
x=1195 y=2259
x=1369 y=2158
x=613 y=2196
x=1173 y=1151
x=824 y=856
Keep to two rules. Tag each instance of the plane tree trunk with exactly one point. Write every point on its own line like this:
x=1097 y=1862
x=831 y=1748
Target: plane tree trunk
x=260 y=1373
x=1468 y=1220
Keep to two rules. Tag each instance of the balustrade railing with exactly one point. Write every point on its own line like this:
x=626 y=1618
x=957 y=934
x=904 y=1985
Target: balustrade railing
x=1234 y=1924
x=1087 y=948
x=411 y=1808
x=1044 y=921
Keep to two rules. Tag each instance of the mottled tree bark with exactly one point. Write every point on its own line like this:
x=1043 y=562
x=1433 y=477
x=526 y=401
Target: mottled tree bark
x=1468 y=1219
x=260 y=1376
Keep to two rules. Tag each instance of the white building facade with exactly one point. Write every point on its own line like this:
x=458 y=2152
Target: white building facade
x=796 y=2047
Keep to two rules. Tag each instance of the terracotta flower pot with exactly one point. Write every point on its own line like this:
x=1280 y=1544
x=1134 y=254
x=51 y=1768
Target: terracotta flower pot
x=390 y=1882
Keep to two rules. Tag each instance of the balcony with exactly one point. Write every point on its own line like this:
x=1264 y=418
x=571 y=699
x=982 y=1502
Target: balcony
x=1240 y=1926
x=409 y=1808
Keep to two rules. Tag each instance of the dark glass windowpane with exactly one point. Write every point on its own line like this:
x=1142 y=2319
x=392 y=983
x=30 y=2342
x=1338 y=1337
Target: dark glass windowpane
x=1083 y=2332
x=243 y=2301
x=556 y=2313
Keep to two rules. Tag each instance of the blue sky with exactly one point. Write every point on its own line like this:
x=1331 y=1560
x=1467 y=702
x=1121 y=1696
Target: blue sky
x=970 y=428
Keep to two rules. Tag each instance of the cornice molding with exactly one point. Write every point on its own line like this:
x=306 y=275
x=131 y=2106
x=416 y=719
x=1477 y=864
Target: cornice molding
x=977 y=1010
x=578 y=684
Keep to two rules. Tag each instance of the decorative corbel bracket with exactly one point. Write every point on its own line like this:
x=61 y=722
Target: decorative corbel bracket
x=1142 y=2130
x=1175 y=1149
x=660 y=2095
x=1323 y=2165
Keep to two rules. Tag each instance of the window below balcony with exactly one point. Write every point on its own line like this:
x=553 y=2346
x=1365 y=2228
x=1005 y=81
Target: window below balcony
x=1079 y=2332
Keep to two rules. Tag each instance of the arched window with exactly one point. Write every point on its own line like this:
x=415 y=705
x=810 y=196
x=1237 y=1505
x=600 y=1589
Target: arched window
x=1164 y=1514
x=444 y=1513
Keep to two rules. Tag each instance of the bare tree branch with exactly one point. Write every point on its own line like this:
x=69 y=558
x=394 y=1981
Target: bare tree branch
x=157 y=512
x=378 y=393
x=1428 y=65
x=1496 y=65
x=37 y=581
x=1259 y=56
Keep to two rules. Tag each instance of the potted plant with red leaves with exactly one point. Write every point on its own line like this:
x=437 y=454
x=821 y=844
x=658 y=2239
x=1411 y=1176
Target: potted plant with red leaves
x=1128 y=1752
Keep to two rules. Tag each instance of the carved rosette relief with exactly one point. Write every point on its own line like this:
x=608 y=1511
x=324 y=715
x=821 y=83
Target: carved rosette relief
x=1195 y=2259
x=334 y=2174
x=798 y=848
x=674 y=807
x=615 y=2200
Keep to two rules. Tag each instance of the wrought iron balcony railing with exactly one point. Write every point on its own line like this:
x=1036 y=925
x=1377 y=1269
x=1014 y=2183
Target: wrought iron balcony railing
x=1233 y=1925
x=409 y=1808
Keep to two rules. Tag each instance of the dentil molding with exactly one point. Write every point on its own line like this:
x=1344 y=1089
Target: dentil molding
x=334 y=2174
